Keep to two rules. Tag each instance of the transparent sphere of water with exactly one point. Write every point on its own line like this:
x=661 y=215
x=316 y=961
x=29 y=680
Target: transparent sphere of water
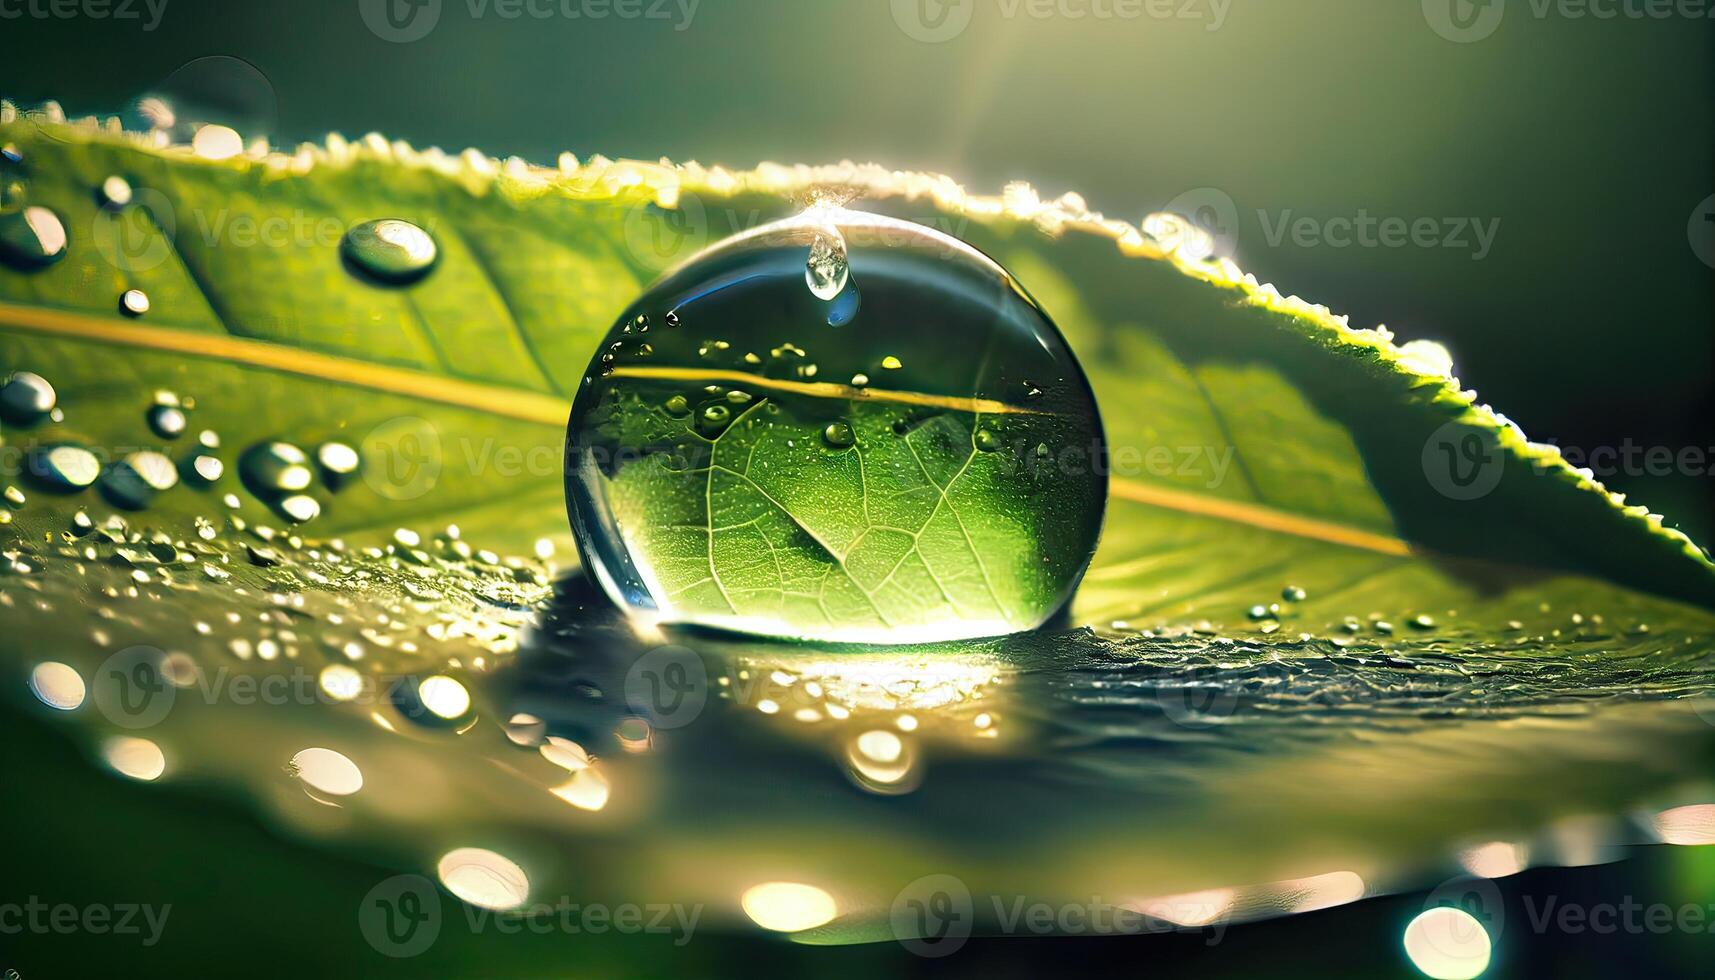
x=840 y=427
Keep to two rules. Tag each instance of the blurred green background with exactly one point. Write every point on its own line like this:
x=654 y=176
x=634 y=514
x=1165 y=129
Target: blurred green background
x=1588 y=140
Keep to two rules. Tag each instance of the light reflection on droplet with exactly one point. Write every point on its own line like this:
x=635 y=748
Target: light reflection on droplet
x=525 y=729
x=214 y=142
x=137 y=758
x=340 y=683
x=483 y=878
x=565 y=753
x=787 y=906
x=327 y=771
x=1323 y=891
x=1694 y=824
x=1447 y=943
x=57 y=685
x=1496 y=859
x=882 y=762
x=588 y=789
x=444 y=697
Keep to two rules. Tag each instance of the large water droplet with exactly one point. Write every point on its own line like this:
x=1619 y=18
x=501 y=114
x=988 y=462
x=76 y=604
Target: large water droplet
x=133 y=482
x=31 y=238
x=64 y=467
x=389 y=251
x=26 y=399
x=338 y=462
x=658 y=451
x=827 y=270
x=274 y=469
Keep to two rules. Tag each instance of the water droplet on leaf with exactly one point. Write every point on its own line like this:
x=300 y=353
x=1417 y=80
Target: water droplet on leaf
x=133 y=302
x=31 y=238
x=389 y=251
x=26 y=399
x=838 y=434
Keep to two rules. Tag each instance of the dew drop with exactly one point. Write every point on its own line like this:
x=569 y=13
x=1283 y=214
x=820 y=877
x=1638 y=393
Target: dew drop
x=838 y=434
x=713 y=419
x=891 y=363
x=215 y=142
x=827 y=270
x=272 y=469
x=114 y=193
x=133 y=302
x=57 y=685
x=26 y=399
x=844 y=307
x=31 y=238
x=859 y=380
x=389 y=251
x=672 y=318
x=299 y=508
x=985 y=440
x=167 y=421
x=202 y=469
x=64 y=467
x=327 y=771
x=133 y=482
x=339 y=462
x=1293 y=593
x=678 y=407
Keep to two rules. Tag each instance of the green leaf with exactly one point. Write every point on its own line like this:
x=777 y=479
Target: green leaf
x=1260 y=446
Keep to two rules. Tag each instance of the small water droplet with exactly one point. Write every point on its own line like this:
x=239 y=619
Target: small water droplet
x=31 y=238
x=272 y=469
x=672 y=318
x=133 y=482
x=678 y=407
x=859 y=380
x=167 y=421
x=985 y=439
x=202 y=469
x=891 y=363
x=26 y=399
x=737 y=397
x=299 y=508
x=133 y=302
x=389 y=251
x=838 y=434
x=215 y=142
x=1293 y=593
x=826 y=271
x=338 y=462
x=713 y=419
x=64 y=467
x=1421 y=621
x=844 y=307
x=114 y=193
